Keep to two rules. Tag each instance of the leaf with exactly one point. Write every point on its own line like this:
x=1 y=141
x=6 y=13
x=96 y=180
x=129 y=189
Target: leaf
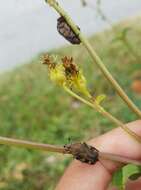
x=131 y=172
x=99 y=99
x=117 y=179
x=120 y=178
x=135 y=176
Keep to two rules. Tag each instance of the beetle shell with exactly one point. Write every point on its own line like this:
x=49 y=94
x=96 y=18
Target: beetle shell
x=83 y=152
x=65 y=30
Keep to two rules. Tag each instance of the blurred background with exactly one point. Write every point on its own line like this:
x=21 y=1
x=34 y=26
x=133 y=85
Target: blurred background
x=29 y=27
x=33 y=108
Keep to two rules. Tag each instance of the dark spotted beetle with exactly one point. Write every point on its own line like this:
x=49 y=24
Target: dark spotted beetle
x=90 y=155
x=66 y=31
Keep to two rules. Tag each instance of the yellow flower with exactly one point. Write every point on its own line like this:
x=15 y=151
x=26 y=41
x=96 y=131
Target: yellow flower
x=79 y=83
x=57 y=74
x=66 y=73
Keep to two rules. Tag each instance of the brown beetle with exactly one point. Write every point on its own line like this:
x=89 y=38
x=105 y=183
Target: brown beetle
x=90 y=155
x=66 y=31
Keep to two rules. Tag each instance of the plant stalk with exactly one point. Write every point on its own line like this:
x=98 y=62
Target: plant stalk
x=78 y=150
x=106 y=114
x=31 y=145
x=95 y=57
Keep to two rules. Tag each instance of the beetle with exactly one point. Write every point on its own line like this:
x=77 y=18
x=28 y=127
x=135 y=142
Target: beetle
x=90 y=155
x=66 y=31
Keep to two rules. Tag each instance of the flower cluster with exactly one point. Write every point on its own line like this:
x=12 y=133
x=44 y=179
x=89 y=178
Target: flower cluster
x=66 y=72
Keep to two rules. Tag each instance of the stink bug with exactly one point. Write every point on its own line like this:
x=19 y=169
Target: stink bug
x=66 y=31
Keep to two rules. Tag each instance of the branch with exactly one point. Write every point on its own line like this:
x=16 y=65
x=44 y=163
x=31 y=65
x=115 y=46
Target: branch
x=31 y=145
x=95 y=57
x=106 y=114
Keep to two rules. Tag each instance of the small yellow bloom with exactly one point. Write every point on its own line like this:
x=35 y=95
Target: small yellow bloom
x=66 y=72
x=79 y=82
x=57 y=74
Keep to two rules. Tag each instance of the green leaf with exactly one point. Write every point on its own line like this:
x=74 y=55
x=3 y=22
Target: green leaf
x=135 y=176
x=120 y=178
x=117 y=179
x=99 y=99
x=131 y=172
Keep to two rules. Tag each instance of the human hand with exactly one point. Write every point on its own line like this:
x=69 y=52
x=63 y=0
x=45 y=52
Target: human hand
x=80 y=176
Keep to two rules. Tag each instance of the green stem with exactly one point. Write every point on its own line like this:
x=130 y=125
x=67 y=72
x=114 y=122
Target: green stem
x=31 y=145
x=106 y=114
x=95 y=57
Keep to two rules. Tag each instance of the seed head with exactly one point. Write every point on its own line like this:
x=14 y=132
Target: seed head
x=48 y=60
x=74 y=76
x=71 y=68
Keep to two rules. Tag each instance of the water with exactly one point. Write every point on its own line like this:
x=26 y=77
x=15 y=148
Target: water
x=29 y=27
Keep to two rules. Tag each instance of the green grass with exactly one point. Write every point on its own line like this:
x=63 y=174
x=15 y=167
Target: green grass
x=33 y=108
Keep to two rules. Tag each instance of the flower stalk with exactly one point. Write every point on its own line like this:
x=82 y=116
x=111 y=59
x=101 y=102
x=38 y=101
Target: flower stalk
x=80 y=151
x=31 y=145
x=106 y=114
x=95 y=57
x=68 y=75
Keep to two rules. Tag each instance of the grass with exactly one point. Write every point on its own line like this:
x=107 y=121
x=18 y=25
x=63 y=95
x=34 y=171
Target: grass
x=33 y=108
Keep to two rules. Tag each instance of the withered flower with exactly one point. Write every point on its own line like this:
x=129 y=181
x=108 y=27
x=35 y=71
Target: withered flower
x=47 y=59
x=74 y=76
x=71 y=69
x=66 y=72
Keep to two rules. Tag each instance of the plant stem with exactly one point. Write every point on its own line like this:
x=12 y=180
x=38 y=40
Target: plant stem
x=31 y=145
x=106 y=114
x=95 y=57
x=118 y=158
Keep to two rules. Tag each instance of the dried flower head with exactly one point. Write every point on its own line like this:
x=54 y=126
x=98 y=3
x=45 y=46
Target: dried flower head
x=74 y=76
x=71 y=69
x=48 y=60
x=66 y=72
